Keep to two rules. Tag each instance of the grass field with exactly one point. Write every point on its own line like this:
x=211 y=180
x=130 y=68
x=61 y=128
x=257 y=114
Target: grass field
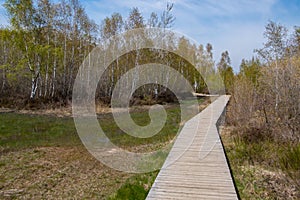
x=42 y=157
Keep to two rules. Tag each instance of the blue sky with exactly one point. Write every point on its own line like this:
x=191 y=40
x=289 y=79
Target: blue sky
x=233 y=25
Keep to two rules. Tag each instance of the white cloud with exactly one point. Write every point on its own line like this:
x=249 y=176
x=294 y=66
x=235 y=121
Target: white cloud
x=145 y=5
x=226 y=7
x=236 y=26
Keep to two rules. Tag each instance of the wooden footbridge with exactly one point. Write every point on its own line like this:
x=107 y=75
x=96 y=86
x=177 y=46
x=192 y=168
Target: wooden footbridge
x=196 y=167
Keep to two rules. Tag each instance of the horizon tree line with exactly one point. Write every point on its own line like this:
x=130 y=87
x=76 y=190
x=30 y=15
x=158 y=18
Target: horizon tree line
x=46 y=42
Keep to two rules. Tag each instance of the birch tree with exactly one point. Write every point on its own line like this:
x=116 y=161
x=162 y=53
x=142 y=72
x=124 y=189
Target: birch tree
x=274 y=50
x=22 y=16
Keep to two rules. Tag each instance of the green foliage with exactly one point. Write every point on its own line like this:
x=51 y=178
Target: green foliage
x=22 y=13
x=251 y=70
x=49 y=40
x=45 y=43
x=226 y=71
x=135 y=20
x=228 y=78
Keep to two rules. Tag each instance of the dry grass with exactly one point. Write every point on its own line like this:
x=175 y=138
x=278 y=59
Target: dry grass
x=256 y=168
x=56 y=173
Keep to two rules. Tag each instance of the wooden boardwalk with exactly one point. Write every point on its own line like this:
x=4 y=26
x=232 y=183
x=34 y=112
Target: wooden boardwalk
x=196 y=167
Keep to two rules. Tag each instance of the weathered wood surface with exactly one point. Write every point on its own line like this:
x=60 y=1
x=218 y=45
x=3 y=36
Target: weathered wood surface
x=204 y=95
x=196 y=167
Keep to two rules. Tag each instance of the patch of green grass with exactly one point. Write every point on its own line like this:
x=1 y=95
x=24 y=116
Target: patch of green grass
x=290 y=163
x=135 y=188
x=290 y=158
x=122 y=139
x=168 y=132
x=27 y=131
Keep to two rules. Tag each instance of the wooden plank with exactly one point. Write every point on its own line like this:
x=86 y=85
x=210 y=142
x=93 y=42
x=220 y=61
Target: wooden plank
x=196 y=167
x=204 y=95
